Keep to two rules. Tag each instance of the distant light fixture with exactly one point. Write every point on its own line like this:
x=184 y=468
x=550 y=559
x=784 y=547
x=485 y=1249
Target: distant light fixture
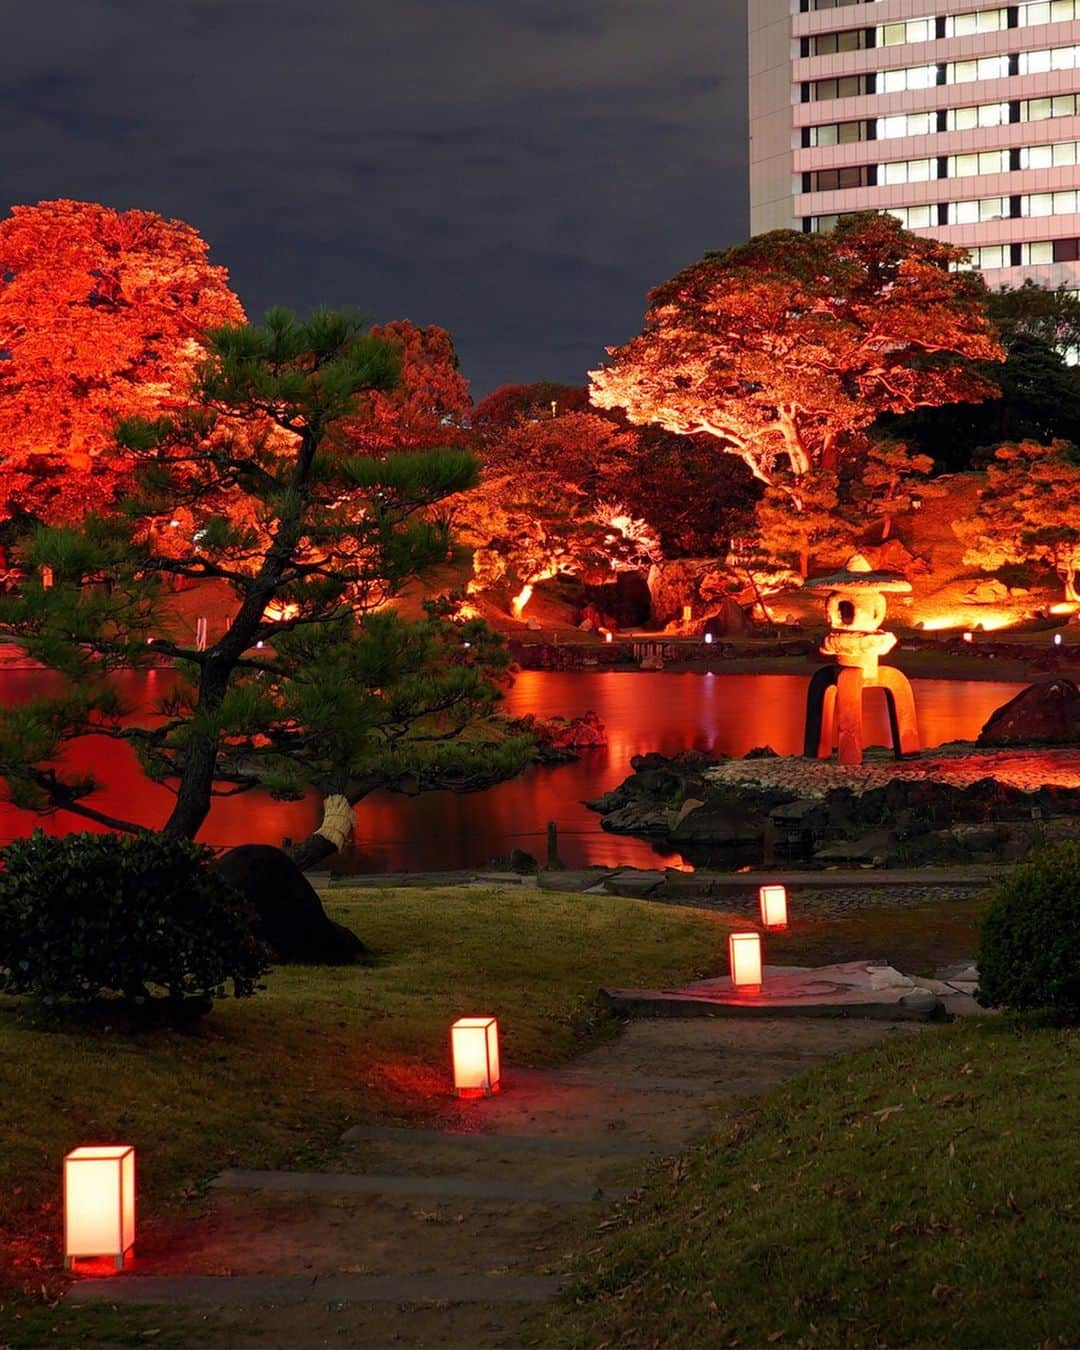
x=708 y=639
x=1057 y=639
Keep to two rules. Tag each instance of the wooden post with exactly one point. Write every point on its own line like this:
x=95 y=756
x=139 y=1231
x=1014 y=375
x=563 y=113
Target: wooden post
x=553 y=845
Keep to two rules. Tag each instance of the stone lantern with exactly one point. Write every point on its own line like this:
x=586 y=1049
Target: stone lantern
x=855 y=607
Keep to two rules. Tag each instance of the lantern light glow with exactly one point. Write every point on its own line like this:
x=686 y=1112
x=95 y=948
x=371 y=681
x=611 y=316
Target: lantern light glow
x=474 y=1049
x=773 y=901
x=744 y=954
x=99 y=1203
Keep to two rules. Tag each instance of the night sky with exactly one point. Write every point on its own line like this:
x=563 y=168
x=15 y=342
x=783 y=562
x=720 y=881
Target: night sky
x=519 y=171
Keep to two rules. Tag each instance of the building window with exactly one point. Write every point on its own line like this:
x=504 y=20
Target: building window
x=829 y=44
x=846 y=86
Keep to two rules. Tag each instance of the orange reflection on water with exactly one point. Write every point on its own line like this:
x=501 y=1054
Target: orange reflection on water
x=643 y=711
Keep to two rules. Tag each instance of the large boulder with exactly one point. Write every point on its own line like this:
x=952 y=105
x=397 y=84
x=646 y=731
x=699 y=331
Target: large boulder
x=1047 y=713
x=289 y=916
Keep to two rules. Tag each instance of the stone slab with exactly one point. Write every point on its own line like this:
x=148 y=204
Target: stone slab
x=245 y=1291
x=614 y=1147
x=572 y=881
x=853 y=989
x=441 y=1188
x=634 y=883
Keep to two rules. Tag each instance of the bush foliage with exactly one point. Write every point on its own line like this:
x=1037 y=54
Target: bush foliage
x=140 y=917
x=1029 y=956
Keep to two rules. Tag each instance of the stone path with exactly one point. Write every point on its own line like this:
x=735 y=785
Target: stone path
x=452 y=1236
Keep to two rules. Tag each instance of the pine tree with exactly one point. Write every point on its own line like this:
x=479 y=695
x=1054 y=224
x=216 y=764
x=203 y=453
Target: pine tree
x=314 y=680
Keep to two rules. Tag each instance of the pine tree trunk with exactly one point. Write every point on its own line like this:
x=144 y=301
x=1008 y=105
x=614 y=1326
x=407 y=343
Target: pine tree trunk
x=329 y=838
x=200 y=760
x=1072 y=594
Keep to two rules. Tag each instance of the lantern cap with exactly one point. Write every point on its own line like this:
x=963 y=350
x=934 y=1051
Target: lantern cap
x=858 y=575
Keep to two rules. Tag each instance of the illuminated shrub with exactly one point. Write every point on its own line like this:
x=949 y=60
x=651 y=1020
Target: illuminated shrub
x=1029 y=956
x=140 y=918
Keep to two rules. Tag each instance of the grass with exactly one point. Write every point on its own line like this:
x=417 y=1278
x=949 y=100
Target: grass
x=923 y=1193
x=275 y=1079
x=917 y=940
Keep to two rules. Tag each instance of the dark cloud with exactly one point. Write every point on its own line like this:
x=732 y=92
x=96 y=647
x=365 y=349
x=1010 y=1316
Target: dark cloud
x=520 y=171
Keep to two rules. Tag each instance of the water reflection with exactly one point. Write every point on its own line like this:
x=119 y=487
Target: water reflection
x=728 y=714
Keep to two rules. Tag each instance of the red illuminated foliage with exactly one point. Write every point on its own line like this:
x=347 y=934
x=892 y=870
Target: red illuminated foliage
x=546 y=505
x=786 y=349
x=101 y=317
x=1029 y=511
x=513 y=403
x=430 y=405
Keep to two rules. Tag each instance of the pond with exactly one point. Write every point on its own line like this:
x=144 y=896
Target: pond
x=668 y=712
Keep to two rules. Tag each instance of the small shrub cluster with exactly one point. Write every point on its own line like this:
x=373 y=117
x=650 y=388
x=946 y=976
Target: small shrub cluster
x=142 y=917
x=1029 y=955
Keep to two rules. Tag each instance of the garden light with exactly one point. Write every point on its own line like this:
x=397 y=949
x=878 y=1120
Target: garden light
x=474 y=1049
x=744 y=954
x=99 y=1203
x=773 y=901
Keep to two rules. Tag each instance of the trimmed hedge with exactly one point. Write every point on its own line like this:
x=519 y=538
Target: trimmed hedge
x=1029 y=955
x=141 y=918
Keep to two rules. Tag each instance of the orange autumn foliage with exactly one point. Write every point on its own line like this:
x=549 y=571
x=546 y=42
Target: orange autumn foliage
x=787 y=348
x=101 y=314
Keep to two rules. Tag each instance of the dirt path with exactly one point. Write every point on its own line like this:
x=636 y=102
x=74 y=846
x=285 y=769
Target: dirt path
x=452 y=1237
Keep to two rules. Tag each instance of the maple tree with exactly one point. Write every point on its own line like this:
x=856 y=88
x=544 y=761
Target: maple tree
x=513 y=403
x=786 y=349
x=546 y=507
x=1029 y=510
x=102 y=316
x=313 y=680
x=429 y=405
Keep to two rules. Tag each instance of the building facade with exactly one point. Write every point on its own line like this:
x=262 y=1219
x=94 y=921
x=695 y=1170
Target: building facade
x=960 y=118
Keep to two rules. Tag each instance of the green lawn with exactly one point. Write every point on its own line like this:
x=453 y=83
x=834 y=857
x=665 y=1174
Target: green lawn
x=924 y=1193
x=276 y=1078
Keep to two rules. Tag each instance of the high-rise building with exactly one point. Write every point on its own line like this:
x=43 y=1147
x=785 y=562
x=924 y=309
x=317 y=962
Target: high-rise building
x=959 y=118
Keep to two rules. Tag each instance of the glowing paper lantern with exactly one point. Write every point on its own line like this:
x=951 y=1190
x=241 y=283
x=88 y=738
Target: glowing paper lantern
x=773 y=900
x=474 y=1048
x=744 y=953
x=99 y=1203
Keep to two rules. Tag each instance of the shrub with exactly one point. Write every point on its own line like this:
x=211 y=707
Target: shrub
x=140 y=917
x=1029 y=956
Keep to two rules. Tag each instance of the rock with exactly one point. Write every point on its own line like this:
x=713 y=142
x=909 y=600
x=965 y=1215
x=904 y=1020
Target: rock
x=517 y=861
x=729 y=621
x=988 y=593
x=565 y=733
x=877 y=848
x=920 y=1001
x=761 y=752
x=1047 y=713
x=626 y=600
x=287 y=913
x=717 y=824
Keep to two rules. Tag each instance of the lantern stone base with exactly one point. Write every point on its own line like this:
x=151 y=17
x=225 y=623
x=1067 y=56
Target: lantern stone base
x=834 y=712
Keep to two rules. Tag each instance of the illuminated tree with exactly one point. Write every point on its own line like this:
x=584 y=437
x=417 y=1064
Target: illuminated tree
x=430 y=404
x=888 y=478
x=816 y=528
x=513 y=403
x=786 y=349
x=1029 y=510
x=313 y=681
x=545 y=506
x=102 y=315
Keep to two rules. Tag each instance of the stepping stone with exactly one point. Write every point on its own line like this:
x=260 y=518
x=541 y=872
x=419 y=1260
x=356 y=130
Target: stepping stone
x=615 y=1147
x=242 y=1291
x=634 y=884
x=853 y=989
x=441 y=1188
